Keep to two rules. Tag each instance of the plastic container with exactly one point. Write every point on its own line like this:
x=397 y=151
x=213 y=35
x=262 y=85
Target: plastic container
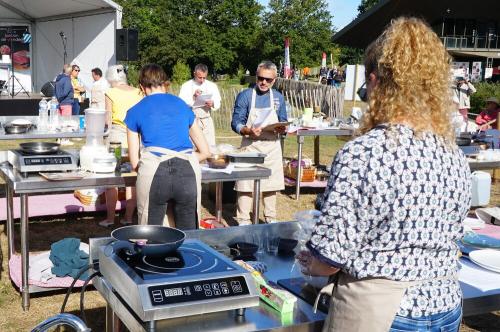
x=54 y=113
x=43 y=115
x=481 y=187
x=95 y=120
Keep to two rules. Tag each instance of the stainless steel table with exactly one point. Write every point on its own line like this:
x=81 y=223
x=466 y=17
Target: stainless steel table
x=301 y=133
x=476 y=165
x=37 y=134
x=16 y=184
x=263 y=317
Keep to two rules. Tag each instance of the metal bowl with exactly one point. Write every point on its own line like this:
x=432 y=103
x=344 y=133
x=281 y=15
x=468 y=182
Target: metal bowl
x=218 y=161
x=15 y=129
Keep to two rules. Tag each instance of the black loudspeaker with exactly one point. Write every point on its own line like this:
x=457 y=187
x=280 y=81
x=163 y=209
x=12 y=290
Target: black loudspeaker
x=48 y=89
x=127 y=41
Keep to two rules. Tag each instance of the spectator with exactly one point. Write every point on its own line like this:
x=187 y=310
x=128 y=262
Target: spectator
x=97 y=98
x=78 y=89
x=490 y=113
x=64 y=91
x=464 y=89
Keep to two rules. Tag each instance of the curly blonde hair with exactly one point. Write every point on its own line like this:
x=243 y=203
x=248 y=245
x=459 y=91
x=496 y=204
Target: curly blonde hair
x=413 y=79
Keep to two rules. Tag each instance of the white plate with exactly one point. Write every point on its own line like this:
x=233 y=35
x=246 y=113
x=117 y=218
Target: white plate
x=488 y=259
x=21 y=122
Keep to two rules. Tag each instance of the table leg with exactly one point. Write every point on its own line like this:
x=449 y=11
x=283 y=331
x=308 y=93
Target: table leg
x=256 y=200
x=25 y=288
x=316 y=150
x=300 y=143
x=218 y=201
x=10 y=221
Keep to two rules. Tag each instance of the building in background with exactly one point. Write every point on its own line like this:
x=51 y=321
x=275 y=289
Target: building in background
x=469 y=30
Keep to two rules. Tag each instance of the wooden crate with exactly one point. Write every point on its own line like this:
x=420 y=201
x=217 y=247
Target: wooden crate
x=308 y=174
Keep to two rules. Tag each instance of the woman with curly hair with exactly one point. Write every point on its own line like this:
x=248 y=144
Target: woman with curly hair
x=396 y=197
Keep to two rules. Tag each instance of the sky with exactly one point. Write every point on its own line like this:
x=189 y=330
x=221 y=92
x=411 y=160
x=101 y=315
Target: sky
x=343 y=11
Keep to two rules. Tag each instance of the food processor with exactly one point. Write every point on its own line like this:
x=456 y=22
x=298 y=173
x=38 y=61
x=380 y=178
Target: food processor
x=94 y=155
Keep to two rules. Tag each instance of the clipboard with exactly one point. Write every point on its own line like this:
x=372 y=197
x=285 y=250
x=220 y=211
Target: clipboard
x=273 y=126
x=201 y=100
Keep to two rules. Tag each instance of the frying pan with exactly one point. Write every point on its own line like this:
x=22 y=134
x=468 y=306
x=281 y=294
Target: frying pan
x=151 y=240
x=39 y=147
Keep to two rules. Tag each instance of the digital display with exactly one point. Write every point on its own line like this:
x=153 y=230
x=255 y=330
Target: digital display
x=47 y=161
x=173 y=292
x=198 y=290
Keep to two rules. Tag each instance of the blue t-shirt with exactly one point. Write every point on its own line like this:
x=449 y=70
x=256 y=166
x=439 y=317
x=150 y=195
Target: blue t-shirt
x=162 y=120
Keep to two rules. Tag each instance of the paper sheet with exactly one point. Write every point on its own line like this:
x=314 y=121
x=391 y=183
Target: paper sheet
x=228 y=170
x=262 y=117
x=201 y=100
x=477 y=277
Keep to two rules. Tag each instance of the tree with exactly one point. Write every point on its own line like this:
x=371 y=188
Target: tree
x=219 y=33
x=307 y=23
x=365 y=5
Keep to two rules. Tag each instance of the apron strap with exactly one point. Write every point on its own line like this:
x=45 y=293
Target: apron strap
x=184 y=154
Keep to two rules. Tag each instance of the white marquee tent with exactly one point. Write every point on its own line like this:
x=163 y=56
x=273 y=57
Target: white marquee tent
x=88 y=25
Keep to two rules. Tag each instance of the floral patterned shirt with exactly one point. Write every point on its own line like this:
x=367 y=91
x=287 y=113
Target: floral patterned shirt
x=393 y=208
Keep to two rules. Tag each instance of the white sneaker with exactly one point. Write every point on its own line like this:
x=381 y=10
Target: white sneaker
x=125 y=222
x=106 y=223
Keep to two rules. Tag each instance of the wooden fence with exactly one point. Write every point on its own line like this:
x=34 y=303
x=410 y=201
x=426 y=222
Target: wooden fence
x=298 y=94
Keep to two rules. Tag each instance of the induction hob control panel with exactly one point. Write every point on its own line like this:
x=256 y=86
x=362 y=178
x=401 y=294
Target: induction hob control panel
x=202 y=290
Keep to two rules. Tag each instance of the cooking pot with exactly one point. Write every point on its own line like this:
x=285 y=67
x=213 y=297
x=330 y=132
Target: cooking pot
x=39 y=147
x=152 y=240
x=11 y=128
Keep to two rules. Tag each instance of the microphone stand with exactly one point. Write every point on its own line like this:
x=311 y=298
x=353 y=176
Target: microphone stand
x=13 y=76
x=64 y=42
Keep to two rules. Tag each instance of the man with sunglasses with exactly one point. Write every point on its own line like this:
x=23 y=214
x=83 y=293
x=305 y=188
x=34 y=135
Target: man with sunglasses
x=78 y=89
x=254 y=109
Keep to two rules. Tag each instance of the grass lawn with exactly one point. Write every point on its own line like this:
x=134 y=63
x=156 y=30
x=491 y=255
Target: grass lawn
x=46 y=230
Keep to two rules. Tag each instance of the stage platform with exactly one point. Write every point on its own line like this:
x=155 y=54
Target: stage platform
x=24 y=105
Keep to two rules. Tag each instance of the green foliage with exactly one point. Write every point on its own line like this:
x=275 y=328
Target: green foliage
x=307 y=23
x=365 y=5
x=220 y=33
x=484 y=91
x=181 y=72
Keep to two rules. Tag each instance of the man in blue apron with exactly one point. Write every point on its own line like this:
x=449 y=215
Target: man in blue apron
x=254 y=109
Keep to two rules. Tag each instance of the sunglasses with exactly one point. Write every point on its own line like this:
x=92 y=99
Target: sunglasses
x=76 y=69
x=267 y=79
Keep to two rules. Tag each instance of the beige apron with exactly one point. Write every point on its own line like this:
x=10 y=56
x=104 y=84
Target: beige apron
x=148 y=164
x=206 y=124
x=268 y=144
x=360 y=305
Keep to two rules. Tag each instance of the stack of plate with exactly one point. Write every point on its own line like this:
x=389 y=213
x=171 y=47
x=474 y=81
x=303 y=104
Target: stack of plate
x=487 y=259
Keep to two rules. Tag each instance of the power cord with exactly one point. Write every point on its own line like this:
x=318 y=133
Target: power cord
x=84 y=269
x=82 y=294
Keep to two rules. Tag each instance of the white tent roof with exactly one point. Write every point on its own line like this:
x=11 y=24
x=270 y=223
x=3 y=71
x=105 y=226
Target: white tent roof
x=43 y=10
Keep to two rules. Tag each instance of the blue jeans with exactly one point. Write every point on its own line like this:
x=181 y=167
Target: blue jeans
x=443 y=322
x=76 y=107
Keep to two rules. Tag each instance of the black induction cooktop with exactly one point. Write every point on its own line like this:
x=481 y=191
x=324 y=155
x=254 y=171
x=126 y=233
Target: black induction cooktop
x=190 y=259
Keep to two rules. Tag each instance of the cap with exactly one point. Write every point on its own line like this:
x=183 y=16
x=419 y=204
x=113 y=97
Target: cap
x=493 y=100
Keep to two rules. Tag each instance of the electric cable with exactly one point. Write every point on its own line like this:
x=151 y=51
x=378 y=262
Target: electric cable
x=82 y=295
x=75 y=279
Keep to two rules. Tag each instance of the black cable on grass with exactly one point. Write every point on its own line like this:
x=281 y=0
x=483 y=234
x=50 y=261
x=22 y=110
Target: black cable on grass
x=82 y=295
x=79 y=274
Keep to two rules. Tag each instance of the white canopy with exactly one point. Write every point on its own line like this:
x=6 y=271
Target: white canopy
x=88 y=26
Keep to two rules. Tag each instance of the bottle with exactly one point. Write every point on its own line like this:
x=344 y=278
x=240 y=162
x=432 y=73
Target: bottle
x=43 y=115
x=54 y=113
